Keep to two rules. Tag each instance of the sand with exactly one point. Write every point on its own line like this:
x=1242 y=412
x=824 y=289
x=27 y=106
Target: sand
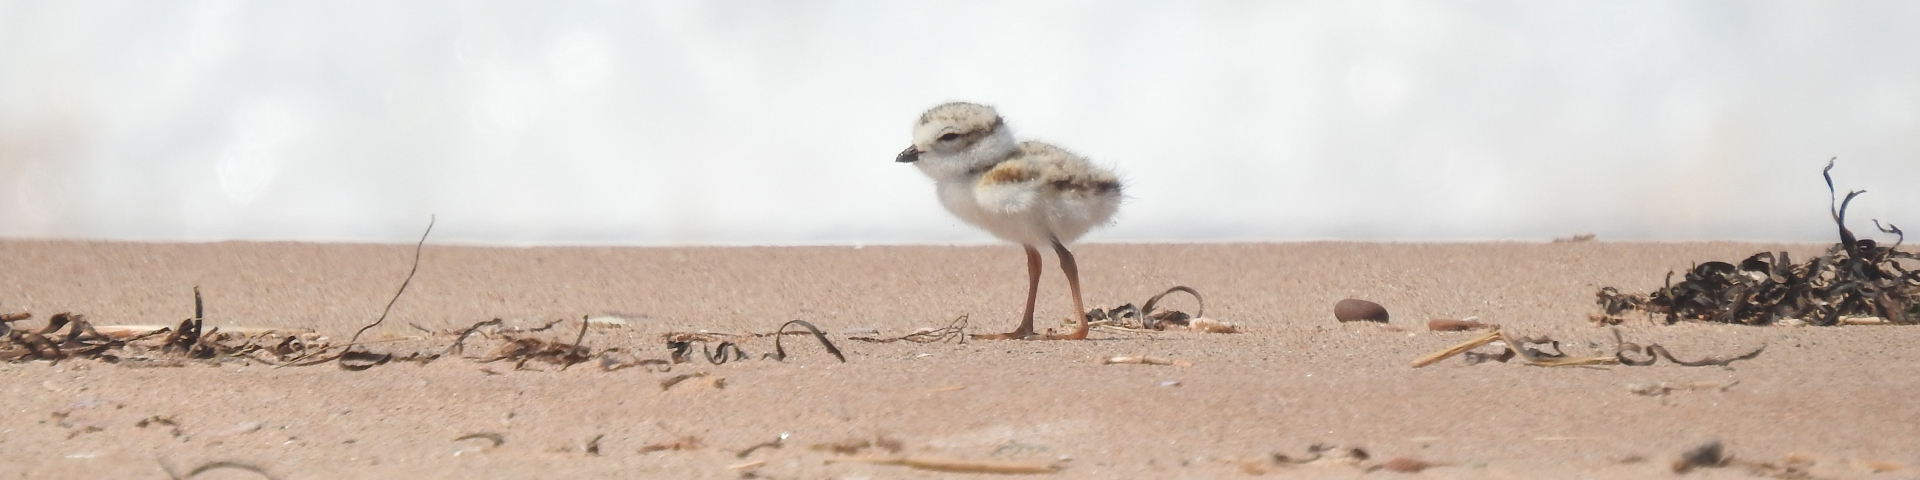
x=1840 y=397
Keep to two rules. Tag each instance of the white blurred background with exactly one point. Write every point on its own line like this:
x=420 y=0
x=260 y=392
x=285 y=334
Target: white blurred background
x=776 y=122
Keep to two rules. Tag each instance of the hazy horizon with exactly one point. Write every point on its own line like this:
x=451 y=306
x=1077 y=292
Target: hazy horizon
x=776 y=123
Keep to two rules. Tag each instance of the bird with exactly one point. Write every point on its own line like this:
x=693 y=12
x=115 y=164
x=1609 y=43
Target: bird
x=1027 y=192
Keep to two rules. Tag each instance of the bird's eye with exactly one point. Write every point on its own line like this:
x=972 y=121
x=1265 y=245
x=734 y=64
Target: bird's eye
x=949 y=137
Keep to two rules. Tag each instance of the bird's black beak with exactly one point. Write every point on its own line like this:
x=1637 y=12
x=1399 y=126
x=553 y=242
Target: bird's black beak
x=910 y=155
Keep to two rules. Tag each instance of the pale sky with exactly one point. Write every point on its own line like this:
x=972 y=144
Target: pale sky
x=776 y=122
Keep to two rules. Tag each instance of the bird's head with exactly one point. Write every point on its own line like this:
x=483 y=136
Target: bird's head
x=956 y=138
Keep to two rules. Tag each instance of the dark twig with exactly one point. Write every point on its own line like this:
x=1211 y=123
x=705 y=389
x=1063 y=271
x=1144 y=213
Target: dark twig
x=780 y=354
x=1847 y=240
x=211 y=466
x=403 y=284
x=1893 y=230
x=458 y=342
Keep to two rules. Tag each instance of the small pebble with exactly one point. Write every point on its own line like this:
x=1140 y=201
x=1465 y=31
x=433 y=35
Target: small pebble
x=1356 y=310
x=1451 y=325
x=1169 y=383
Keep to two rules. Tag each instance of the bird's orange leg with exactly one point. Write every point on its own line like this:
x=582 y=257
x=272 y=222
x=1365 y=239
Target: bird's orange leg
x=1033 y=291
x=1073 y=283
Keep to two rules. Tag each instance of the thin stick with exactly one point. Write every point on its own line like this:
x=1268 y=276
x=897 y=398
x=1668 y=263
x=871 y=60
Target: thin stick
x=1463 y=347
x=403 y=284
x=951 y=465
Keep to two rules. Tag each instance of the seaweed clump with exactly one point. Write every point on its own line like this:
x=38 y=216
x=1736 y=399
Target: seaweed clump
x=1854 y=281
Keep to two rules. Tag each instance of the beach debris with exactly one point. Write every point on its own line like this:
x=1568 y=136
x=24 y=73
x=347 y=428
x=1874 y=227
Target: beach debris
x=777 y=442
x=460 y=342
x=1150 y=317
x=780 y=354
x=712 y=382
x=1457 y=349
x=193 y=340
x=1708 y=455
x=1357 y=310
x=592 y=447
x=163 y=420
x=854 y=446
x=687 y=442
x=1854 y=279
x=137 y=345
x=953 y=465
x=680 y=345
x=215 y=465
x=522 y=350
x=361 y=361
x=1460 y=325
x=1320 y=454
x=955 y=330
x=1654 y=352
x=1656 y=389
x=6 y=322
x=1145 y=360
x=1525 y=349
x=471 y=443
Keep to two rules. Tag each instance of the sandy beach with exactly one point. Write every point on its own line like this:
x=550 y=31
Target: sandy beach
x=1837 y=402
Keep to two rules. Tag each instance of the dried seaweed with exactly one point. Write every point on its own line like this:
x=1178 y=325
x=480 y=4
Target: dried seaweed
x=1149 y=317
x=780 y=354
x=956 y=330
x=1854 y=278
x=679 y=346
x=522 y=350
x=1654 y=352
x=216 y=465
x=417 y=247
x=1534 y=351
x=150 y=344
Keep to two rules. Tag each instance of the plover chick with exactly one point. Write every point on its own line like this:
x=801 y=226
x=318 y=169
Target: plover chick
x=1029 y=193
